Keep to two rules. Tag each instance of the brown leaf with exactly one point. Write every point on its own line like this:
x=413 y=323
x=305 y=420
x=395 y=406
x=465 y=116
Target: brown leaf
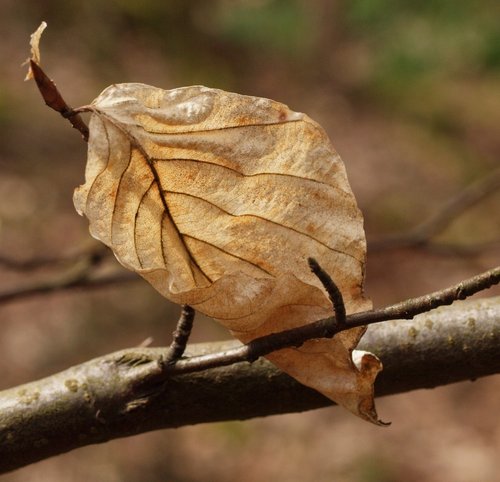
x=218 y=199
x=35 y=49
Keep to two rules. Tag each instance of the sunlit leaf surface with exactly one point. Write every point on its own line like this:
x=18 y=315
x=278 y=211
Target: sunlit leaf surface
x=218 y=199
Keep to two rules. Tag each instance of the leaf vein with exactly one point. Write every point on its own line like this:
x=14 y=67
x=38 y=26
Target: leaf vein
x=119 y=186
x=257 y=174
x=135 y=143
x=262 y=218
x=135 y=221
x=256 y=265
x=223 y=128
x=89 y=192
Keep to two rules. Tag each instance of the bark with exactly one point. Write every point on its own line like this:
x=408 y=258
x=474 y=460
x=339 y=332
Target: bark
x=123 y=393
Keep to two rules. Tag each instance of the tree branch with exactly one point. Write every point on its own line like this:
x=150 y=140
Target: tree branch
x=95 y=255
x=71 y=280
x=328 y=327
x=120 y=394
x=422 y=235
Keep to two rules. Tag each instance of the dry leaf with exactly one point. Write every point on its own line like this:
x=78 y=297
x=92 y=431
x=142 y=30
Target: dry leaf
x=218 y=199
x=35 y=48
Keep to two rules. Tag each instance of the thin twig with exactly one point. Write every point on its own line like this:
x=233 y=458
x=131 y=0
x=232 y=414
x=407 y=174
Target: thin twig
x=180 y=335
x=322 y=328
x=54 y=100
x=33 y=263
x=422 y=235
x=66 y=282
x=461 y=250
x=79 y=275
x=333 y=291
x=95 y=255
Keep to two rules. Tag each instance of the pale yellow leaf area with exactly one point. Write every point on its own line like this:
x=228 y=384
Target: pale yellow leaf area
x=218 y=199
x=35 y=48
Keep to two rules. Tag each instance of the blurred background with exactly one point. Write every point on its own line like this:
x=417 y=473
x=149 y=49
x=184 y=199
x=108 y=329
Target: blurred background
x=409 y=93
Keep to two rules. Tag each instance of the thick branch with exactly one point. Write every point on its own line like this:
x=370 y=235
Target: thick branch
x=116 y=395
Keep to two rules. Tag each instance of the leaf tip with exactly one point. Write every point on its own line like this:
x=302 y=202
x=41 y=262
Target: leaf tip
x=35 y=50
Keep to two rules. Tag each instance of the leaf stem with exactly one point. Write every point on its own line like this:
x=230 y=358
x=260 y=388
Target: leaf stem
x=54 y=100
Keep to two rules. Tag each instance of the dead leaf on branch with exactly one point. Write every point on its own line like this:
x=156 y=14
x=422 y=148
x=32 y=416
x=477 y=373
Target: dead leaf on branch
x=218 y=199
